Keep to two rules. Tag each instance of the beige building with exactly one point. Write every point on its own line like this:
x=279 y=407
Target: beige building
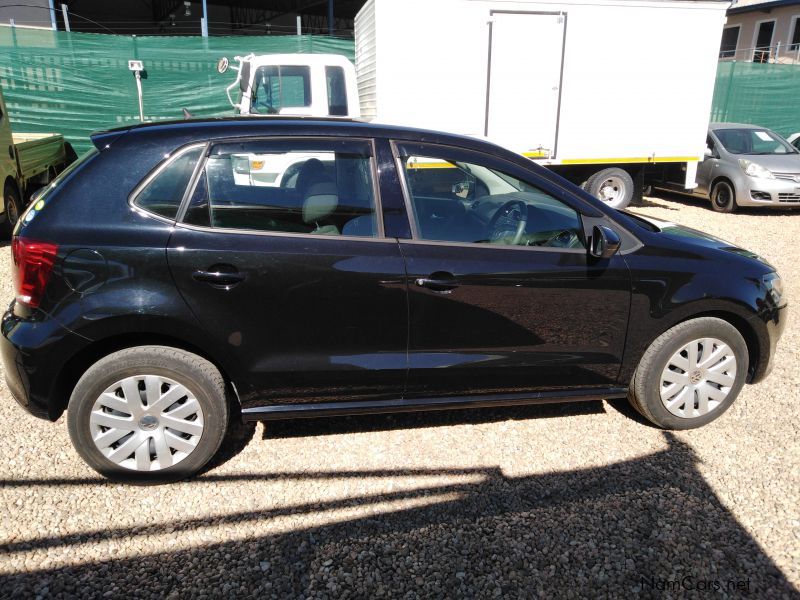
x=762 y=31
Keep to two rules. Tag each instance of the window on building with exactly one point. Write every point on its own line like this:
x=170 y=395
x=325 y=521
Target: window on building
x=794 y=41
x=730 y=39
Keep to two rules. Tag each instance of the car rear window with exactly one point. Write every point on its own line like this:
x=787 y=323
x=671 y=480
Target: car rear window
x=162 y=193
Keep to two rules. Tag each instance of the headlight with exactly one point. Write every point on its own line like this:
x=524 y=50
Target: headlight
x=774 y=285
x=755 y=170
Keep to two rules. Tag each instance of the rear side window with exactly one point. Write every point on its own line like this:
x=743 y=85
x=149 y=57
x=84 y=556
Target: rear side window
x=319 y=187
x=337 y=92
x=162 y=195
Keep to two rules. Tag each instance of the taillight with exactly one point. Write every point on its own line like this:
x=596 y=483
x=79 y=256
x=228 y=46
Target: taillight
x=33 y=263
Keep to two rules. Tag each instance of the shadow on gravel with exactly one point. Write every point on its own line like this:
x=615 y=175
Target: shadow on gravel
x=291 y=428
x=769 y=211
x=649 y=525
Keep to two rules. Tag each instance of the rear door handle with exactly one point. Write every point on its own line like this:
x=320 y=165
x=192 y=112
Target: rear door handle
x=219 y=278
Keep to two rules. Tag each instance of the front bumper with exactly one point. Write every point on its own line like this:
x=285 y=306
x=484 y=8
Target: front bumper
x=769 y=192
x=34 y=355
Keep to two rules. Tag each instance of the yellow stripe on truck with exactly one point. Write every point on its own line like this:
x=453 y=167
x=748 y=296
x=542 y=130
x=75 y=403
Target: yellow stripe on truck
x=635 y=159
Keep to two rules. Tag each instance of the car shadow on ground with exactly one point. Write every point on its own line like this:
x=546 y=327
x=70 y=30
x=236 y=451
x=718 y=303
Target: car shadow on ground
x=650 y=526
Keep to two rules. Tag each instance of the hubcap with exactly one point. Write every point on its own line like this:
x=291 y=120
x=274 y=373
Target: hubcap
x=698 y=378
x=146 y=423
x=612 y=190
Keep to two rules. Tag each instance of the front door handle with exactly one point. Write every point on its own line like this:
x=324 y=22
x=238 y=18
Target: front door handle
x=219 y=277
x=438 y=282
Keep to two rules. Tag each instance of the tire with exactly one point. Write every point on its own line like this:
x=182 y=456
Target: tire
x=613 y=186
x=723 y=197
x=722 y=374
x=134 y=443
x=13 y=209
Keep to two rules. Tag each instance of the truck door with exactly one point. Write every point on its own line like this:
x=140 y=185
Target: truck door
x=525 y=64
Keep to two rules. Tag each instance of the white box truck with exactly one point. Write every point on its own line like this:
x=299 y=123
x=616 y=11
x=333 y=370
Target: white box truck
x=608 y=93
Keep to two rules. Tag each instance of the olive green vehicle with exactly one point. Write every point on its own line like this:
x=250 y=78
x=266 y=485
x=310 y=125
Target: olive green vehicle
x=27 y=162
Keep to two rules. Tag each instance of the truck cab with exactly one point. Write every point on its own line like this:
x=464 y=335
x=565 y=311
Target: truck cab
x=307 y=85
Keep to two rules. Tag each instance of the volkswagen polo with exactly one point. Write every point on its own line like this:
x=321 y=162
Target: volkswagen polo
x=159 y=284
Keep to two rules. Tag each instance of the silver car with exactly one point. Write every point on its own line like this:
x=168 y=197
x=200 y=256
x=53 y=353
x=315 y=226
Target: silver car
x=746 y=165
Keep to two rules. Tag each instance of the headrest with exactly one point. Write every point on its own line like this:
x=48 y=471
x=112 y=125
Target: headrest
x=320 y=201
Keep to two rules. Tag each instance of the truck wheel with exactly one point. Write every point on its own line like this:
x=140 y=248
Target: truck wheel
x=148 y=414
x=613 y=186
x=13 y=208
x=723 y=197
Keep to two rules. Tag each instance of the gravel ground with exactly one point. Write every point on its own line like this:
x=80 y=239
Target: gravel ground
x=571 y=501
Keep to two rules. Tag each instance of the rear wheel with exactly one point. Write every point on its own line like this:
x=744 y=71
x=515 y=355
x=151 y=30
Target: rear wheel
x=148 y=414
x=723 y=197
x=13 y=208
x=613 y=186
x=691 y=374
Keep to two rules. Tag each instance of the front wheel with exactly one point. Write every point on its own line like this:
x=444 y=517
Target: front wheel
x=690 y=374
x=723 y=197
x=148 y=414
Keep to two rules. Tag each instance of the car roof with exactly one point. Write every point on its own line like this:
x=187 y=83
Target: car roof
x=253 y=126
x=735 y=126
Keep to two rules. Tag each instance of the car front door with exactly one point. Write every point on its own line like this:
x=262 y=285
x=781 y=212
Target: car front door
x=503 y=297
x=282 y=258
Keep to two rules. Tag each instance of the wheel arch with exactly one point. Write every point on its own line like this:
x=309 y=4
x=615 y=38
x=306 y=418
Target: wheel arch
x=78 y=364
x=744 y=327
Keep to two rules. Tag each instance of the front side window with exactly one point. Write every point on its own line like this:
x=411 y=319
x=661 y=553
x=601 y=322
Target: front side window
x=314 y=187
x=276 y=87
x=455 y=201
x=162 y=195
x=752 y=141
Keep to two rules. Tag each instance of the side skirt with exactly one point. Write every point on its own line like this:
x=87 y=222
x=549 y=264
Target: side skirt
x=335 y=409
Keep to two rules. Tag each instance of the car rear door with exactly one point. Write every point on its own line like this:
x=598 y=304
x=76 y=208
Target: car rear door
x=488 y=316
x=282 y=258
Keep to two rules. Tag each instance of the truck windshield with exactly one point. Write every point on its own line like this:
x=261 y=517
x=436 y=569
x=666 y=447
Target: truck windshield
x=753 y=141
x=276 y=87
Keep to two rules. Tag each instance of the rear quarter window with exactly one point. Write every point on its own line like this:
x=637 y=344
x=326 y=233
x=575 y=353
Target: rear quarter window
x=162 y=191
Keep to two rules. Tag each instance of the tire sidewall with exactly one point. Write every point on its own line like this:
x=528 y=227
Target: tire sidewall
x=11 y=197
x=113 y=369
x=595 y=182
x=651 y=380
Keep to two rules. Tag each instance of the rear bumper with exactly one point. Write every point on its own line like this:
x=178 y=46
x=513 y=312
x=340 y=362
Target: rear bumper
x=34 y=354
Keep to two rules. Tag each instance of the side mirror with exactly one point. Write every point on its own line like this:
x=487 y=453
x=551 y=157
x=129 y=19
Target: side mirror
x=708 y=153
x=462 y=189
x=222 y=65
x=604 y=243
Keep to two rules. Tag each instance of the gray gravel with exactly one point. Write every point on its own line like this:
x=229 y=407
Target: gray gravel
x=571 y=501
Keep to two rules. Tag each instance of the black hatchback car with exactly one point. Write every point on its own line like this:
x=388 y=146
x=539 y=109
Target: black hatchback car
x=317 y=267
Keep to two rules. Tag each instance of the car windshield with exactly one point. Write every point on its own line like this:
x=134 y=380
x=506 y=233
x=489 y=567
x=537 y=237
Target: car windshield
x=753 y=141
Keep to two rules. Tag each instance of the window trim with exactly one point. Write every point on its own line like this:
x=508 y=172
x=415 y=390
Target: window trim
x=756 y=31
x=169 y=158
x=794 y=29
x=415 y=237
x=736 y=46
x=378 y=206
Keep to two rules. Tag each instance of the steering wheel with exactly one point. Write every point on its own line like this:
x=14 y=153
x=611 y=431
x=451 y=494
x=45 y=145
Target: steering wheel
x=512 y=217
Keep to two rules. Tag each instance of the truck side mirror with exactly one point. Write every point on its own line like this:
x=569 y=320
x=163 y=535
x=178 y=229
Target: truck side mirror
x=222 y=65
x=604 y=243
